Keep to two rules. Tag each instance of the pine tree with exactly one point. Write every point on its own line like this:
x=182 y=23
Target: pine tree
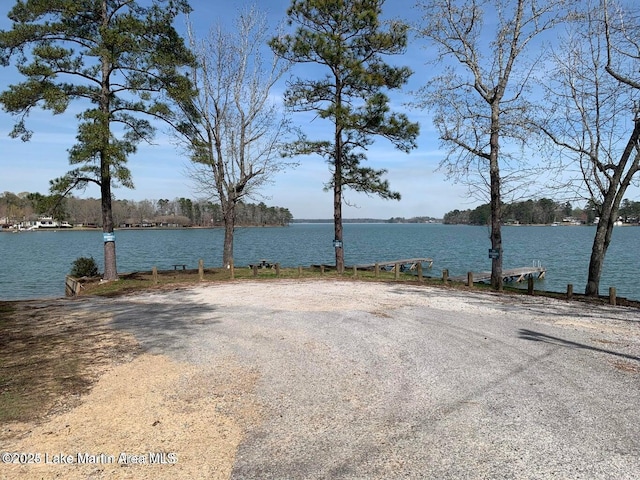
x=112 y=56
x=346 y=38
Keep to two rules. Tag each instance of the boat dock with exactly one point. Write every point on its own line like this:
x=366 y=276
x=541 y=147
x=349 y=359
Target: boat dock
x=513 y=275
x=405 y=264
x=536 y=271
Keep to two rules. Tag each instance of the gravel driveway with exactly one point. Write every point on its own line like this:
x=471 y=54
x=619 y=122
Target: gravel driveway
x=356 y=380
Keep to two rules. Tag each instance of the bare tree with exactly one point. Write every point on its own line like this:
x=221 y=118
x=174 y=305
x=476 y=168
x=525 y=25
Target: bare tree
x=233 y=129
x=480 y=102
x=594 y=115
x=622 y=33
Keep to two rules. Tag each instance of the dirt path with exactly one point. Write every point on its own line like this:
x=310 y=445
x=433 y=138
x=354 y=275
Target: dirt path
x=96 y=406
x=320 y=379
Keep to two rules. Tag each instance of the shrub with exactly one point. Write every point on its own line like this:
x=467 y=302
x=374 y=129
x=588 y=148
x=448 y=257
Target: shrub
x=84 y=267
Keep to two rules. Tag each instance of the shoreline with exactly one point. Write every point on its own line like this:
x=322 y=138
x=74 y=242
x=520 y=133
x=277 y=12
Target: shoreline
x=186 y=279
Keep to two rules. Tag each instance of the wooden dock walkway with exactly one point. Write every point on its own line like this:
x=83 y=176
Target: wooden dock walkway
x=511 y=275
x=405 y=264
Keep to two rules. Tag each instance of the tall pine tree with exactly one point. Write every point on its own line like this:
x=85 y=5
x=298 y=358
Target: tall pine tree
x=115 y=57
x=346 y=39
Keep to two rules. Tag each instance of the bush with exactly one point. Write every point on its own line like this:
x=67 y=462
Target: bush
x=84 y=267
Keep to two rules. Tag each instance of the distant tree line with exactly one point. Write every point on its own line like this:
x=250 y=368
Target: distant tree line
x=629 y=211
x=412 y=220
x=370 y=220
x=27 y=207
x=542 y=211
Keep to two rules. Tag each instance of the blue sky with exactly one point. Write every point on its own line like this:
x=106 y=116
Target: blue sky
x=159 y=170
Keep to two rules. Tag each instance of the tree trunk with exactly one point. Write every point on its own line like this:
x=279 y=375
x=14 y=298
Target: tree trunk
x=496 y=233
x=337 y=191
x=496 y=207
x=610 y=208
x=110 y=268
x=337 y=219
x=598 y=252
x=601 y=241
x=229 y=226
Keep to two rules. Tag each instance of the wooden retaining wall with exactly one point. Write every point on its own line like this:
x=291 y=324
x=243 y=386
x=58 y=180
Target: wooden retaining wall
x=72 y=286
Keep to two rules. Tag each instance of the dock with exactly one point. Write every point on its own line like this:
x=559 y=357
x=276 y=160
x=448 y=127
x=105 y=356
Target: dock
x=406 y=264
x=512 y=275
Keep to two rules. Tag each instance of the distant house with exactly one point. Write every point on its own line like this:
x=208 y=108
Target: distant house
x=173 y=221
x=46 y=222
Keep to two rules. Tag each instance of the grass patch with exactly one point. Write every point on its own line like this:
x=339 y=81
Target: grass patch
x=143 y=281
x=34 y=367
x=50 y=356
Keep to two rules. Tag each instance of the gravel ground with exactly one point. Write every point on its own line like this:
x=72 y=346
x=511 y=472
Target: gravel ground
x=356 y=380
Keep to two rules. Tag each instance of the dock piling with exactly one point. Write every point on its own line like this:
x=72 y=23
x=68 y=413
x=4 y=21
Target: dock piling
x=612 y=296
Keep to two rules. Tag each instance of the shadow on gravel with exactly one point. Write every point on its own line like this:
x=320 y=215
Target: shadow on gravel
x=161 y=321
x=533 y=336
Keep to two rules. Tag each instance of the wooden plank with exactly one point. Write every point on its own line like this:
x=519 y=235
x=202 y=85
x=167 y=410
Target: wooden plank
x=514 y=274
x=72 y=286
x=371 y=266
x=392 y=263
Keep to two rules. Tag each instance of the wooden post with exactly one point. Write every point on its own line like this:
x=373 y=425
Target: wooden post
x=255 y=270
x=530 y=285
x=299 y=271
x=397 y=269
x=232 y=273
x=277 y=269
x=419 y=268
x=377 y=268
x=570 y=291
x=154 y=272
x=445 y=276
x=355 y=271
x=469 y=279
x=321 y=269
x=612 y=296
x=201 y=269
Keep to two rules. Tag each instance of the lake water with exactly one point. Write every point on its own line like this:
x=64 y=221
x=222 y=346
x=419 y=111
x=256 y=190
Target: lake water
x=34 y=264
